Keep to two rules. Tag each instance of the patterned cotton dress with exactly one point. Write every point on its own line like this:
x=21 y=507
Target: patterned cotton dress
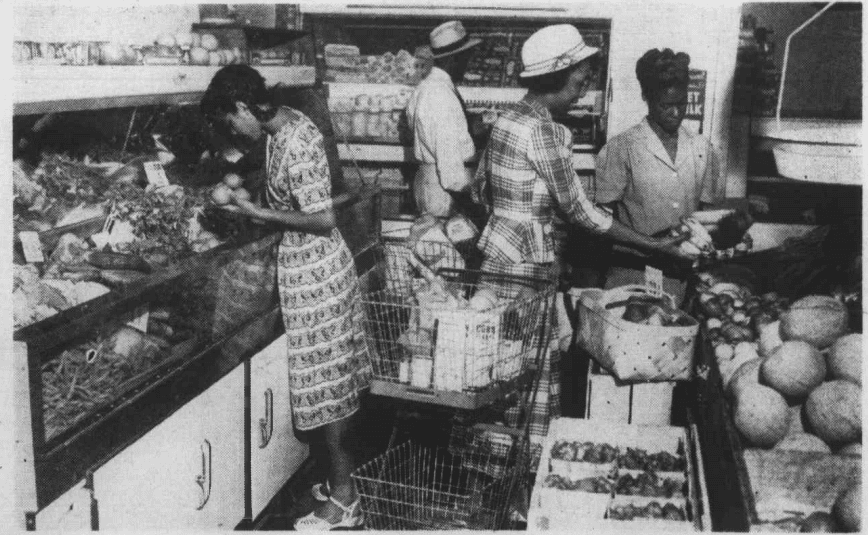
x=319 y=288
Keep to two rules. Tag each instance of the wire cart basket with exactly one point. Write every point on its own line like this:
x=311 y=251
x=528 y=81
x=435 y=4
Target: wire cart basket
x=433 y=342
x=414 y=487
x=429 y=345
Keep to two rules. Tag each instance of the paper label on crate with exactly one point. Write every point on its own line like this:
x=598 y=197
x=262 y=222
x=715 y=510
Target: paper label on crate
x=654 y=281
x=32 y=246
x=156 y=175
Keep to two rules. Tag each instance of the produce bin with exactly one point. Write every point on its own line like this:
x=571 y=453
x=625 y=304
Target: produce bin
x=558 y=505
x=756 y=489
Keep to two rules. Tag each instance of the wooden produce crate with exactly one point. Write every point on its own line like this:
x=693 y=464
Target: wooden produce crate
x=557 y=509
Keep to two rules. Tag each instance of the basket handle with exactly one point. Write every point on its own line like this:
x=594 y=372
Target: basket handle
x=502 y=276
x=787 y=57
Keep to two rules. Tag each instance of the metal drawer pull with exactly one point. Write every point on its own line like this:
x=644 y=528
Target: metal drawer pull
x=266 y=424
x=204 y=479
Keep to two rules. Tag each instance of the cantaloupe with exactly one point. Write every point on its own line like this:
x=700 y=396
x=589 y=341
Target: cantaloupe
x=802 y=442
x=834 y=412
x=794 y=369
x=847 y=509
x=746 y=374
x=854 y=449
x=816 y=319
x=761 y=415
x=845 y=358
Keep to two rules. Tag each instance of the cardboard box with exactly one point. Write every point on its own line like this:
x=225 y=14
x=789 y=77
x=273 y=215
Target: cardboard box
x=610 y=400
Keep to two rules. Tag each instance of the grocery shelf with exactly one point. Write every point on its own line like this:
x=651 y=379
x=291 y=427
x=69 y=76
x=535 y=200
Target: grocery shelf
x=582 y=161
x=469 y=94
x=46 y=88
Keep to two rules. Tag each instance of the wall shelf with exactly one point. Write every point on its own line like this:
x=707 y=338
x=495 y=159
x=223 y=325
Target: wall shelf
x=47 y=88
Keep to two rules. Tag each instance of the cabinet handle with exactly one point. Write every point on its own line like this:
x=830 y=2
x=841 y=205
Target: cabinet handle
x=204 y=479
x=266 y=424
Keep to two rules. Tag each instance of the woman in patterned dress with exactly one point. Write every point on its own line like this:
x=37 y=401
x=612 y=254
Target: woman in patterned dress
x=317 y=280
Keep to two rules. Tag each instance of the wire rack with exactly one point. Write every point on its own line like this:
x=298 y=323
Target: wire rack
x=414 y=487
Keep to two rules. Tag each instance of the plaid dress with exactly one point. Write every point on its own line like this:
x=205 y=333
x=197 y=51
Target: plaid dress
x=525 y=174
x=319 y=288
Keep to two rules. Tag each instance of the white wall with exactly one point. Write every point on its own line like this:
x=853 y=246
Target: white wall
x=124 y=23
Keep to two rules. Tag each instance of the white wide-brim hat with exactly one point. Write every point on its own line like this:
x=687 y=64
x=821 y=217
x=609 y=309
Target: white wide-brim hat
x=552 y=49
x=450 y=38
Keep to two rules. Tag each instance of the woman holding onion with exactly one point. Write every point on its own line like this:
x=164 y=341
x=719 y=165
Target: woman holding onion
x=316 y=277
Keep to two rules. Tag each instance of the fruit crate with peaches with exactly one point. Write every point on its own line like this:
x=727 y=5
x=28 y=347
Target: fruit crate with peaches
x=617 y=476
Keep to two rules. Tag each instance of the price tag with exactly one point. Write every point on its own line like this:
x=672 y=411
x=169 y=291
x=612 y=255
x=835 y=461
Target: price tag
x=155 y=174
x=32 y=246
x=138 y=318
x=654 y=281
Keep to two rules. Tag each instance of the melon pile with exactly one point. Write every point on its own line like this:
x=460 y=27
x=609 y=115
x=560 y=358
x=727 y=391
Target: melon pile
x=798 y=385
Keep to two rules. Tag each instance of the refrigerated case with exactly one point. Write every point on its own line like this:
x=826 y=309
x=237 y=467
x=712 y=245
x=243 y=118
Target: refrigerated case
x=625 y=31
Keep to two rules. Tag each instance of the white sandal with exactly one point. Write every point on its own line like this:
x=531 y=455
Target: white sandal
x=318 y=494
x=352 y=518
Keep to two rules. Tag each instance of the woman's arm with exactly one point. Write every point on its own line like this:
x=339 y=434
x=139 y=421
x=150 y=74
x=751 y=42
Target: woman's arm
x=321 y=222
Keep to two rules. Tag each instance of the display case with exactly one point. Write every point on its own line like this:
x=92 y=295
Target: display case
x=96 y=377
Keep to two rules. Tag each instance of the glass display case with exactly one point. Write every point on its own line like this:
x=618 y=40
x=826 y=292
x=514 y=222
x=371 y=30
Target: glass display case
x=101 y=374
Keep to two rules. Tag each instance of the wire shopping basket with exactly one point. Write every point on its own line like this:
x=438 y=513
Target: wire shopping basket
x=414 y=487
x=429 y=345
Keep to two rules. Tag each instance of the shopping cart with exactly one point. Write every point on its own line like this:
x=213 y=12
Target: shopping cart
x=429 y=347
x=414 y=487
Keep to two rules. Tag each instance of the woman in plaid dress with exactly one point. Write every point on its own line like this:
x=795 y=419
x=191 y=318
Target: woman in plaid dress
x=526 y=173
x=316 y=276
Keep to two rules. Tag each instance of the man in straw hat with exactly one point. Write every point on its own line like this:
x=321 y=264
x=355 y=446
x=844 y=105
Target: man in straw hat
x=526 y=173
x=442 y=142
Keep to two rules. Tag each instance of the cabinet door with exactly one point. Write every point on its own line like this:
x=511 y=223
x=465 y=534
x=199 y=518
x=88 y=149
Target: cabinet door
x=70 y=512
x=275 y=451
x=185 y=473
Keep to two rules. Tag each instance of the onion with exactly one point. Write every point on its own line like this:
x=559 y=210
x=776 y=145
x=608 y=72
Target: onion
x=221 y=194
x=215 y=58
x=233 y=181
x=241 y=194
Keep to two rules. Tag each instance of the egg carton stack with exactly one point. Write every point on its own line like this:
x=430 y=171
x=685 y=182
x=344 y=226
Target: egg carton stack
x=615 y=477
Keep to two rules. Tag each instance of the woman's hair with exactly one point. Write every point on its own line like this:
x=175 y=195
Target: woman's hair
x=659 y=70
x=237 y=83
x=555 y=81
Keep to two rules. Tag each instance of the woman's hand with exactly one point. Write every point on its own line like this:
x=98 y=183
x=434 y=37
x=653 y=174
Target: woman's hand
x=671 y=246
x=242 y=207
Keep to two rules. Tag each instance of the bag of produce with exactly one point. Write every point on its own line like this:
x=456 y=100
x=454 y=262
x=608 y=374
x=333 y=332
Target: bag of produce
x=636 y=336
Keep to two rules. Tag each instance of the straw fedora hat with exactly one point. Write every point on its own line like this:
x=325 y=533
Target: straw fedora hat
x=552 y=49
x=450 y=38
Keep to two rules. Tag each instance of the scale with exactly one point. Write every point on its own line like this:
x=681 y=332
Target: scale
x=816 y=150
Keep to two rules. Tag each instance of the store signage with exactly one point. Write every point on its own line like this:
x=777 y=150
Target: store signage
x=654 y=281
x=155 y=174
x=696 y=97
x=32 y=246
